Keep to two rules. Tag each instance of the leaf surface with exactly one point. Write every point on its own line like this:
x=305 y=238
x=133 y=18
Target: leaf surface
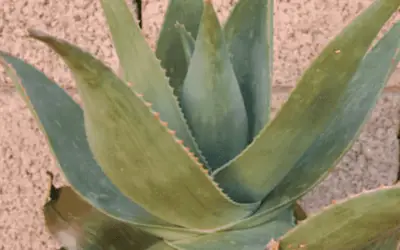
x=169 y=49
x=61 y=120
x=211 y=98
x=138 y=152
x=188 y=42
x=307 y=113
x=142 y=68
x=255 y=238
x=389 y=243
x=372 y=215
x=249 y=33
x=356 y=105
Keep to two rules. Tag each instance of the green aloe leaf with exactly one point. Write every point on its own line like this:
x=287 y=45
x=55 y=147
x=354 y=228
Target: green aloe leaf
x=78 y=225
x=352 y=224
x=138 y=152
x=61 y=121
x=309 y=111
x=169 y=49
x=161 y=245
x=249 y=33
x=389 y=243
x=188 y=42
x=211 y=98
x=255 y=238
x=141 y=68
x=355 y=106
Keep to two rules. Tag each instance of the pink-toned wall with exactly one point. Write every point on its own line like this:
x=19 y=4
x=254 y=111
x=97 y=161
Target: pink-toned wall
x=303 y=27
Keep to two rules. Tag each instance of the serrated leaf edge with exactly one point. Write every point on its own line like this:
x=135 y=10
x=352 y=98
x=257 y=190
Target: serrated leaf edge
x=335 y=203
x=146 y=227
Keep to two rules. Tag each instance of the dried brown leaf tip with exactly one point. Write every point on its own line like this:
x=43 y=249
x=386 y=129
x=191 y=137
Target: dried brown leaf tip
x=272 y=245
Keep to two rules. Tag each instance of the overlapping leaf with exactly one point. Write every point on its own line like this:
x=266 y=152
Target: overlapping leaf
x=142 y=68
x=308 y=112
x=138 y=152
x=353 y=224
x=255 y=238
x=356 y=105
x=187 y=40
x=249 y=33
x=169 y=49
x=61 y=120
x=211 y=98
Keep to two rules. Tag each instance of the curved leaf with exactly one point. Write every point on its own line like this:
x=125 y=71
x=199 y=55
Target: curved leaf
x=138 y=152
x=371 y=215
x=142 y=68
x=55 y=111
x=308 y=113
x=211 y=98
x=255 y=238
x=169 y=49
x=356 y=104
x=78 y=225
x=249 y=33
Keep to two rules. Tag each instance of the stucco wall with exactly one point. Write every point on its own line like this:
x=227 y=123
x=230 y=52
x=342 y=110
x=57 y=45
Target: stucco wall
x=303 y=27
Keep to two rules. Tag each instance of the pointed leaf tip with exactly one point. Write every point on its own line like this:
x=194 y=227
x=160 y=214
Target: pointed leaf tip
x=114 y=113
x=148 y=70
x=307 y=115
x=211 y=98
x=249 y=35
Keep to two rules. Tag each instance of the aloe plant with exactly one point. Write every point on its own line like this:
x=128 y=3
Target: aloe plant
x=179 y=151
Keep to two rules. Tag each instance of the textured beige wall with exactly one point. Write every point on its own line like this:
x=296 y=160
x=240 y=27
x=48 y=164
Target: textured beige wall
x=303 y=27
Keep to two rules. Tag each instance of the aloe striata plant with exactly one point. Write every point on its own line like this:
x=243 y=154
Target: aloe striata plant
x=193 y=161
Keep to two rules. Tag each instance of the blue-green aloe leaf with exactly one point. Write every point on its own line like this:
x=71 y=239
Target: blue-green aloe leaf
x=373 y=215
x=169 y=49
x=255 y=238
x=211 y=98
x=327 y=150
x=139 y=153
x=309 y=111
x=356 y=105
x=249 y=34
x=141 y=67
x=61 y=120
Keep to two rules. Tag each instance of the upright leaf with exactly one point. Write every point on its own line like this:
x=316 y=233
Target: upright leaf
x=249 y=33
x=169 y=49
x=371 y=215
x=139 y=153
x=308 y=112
x=356 y=104
x=61 y=120
x=211 y=98
x=142 y=69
